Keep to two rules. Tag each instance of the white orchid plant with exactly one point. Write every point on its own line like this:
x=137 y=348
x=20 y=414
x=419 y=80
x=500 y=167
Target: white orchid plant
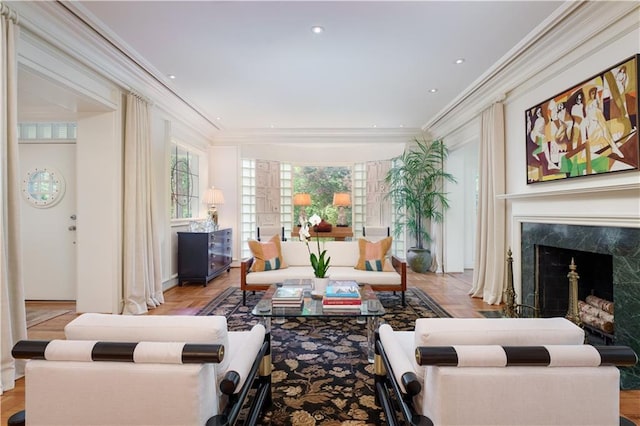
x=320 y=264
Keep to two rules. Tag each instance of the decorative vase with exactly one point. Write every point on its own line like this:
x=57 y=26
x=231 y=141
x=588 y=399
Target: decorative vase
x=419 y=260
x=320 y=285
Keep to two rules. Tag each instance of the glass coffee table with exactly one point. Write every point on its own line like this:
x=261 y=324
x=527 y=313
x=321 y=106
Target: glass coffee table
x=370 y=311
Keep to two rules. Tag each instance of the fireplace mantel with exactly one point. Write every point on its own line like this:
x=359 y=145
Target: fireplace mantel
x=634 y=186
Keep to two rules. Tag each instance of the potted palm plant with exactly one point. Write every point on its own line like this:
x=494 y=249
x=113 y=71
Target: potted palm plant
x=416 y=187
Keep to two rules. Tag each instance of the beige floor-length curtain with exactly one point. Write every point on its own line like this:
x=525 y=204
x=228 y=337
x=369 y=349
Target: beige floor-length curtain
x=488 y=273
x=141 y=263
x=13 y=318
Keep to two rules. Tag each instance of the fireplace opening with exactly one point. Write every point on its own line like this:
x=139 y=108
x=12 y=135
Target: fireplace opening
x=595 y=288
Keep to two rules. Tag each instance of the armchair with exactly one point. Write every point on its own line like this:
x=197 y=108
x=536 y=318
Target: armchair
x=475 y=371
x=138 y=370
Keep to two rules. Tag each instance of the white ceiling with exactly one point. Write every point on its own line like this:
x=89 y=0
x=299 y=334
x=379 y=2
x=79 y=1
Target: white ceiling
x=257 y=65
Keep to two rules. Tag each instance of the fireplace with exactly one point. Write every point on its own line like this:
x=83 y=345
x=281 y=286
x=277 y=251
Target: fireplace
x=620 y=245
x=552 y=266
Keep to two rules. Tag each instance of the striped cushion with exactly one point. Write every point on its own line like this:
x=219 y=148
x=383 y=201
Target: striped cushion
x=373 y=255
x=508 y=356
x=267 y=255
x=136 y=352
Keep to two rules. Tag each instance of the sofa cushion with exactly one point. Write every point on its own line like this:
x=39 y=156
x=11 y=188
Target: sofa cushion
x=267 y=255
x=372 y=255
x=340 y=273
x=296 y=253
x=343 y=253
x=497 y=331
x=278 y=276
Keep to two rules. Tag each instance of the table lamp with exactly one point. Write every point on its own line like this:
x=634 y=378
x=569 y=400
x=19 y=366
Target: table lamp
x=303 y=200
x=342 y=200
x=212 y=197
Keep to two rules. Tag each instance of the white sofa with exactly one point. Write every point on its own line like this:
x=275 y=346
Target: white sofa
x=344 y=256
x=137 y=370
x=474 y=371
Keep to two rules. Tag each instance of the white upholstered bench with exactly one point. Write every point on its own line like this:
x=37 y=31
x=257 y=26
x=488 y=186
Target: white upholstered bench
x=464 y=371
x=145 y=370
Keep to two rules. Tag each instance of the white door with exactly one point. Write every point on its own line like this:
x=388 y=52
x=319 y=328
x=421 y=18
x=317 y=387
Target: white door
x=48 y=227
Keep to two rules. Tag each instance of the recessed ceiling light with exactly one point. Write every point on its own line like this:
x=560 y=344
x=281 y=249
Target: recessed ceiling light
x=317 y=29
x=402 y=125
x=434 y=90
x=172 y=77
x=218 y=118
x=375 y=125
x=460 y=61
x=272 y=126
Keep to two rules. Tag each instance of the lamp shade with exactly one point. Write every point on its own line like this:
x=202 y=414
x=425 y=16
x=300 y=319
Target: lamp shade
x=342 y=199
x=213 y=196
x=302 y=199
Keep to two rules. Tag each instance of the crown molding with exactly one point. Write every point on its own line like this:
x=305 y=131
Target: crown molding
x=65 y=27
x=538 y=55
x=315 y=136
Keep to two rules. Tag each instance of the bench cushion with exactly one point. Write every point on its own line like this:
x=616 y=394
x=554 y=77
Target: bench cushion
x=151 y=328
x=497 y=331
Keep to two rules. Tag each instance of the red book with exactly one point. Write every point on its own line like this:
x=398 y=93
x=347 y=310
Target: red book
x=338 y=301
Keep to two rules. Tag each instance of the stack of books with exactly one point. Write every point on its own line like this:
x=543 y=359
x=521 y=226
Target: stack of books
x=342 y=295
x=288 y=297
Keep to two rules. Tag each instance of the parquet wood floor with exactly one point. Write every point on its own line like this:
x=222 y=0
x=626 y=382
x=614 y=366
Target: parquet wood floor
x=449 y=290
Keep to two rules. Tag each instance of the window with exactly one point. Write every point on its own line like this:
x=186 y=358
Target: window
x=47 y=131
x=184 y=183
x=322 y=183
x=248 y=222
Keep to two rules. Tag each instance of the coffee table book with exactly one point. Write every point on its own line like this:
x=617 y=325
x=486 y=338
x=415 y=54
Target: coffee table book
x=287 y=293
x=342 y=289
x=356 y=307
x=287 y=303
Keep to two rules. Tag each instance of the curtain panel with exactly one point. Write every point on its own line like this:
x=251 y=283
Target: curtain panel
x=489 y=268
x=142 y=276
x=13 y=317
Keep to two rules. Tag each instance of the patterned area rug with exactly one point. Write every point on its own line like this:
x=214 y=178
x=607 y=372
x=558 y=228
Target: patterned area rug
x=321 y=375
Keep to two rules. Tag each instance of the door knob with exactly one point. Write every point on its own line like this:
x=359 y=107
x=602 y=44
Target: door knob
x=72 y=228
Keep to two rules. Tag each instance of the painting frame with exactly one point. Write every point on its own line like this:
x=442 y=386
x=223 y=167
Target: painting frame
x=589 y=129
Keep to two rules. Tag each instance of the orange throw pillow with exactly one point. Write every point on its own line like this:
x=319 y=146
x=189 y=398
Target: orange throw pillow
x=267 y=256
x=373 y=255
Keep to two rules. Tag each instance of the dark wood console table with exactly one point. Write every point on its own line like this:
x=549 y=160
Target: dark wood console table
x=339 y=233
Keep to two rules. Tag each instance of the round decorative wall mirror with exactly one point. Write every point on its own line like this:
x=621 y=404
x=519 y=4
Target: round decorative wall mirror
x=43 y=187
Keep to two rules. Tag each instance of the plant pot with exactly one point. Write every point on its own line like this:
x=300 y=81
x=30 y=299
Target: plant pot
x=320 y=285
x=419 y=260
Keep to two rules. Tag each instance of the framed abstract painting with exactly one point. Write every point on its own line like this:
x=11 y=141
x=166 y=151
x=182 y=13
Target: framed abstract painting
x=589 y=129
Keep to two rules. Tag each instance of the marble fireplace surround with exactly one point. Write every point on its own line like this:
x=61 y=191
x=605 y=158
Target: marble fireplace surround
x=621 y=242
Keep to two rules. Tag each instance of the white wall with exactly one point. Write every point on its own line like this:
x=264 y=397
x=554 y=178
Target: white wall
x=99 y=197
x=460 y=219
x=224 y=166
x=612 y=199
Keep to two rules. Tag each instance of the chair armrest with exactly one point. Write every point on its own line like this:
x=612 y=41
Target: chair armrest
x=399 y=361
x=244 y=350
x=245 y=267
x=400 y=265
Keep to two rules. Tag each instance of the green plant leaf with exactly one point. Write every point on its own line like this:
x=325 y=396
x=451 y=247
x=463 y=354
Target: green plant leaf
x=416 y=187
